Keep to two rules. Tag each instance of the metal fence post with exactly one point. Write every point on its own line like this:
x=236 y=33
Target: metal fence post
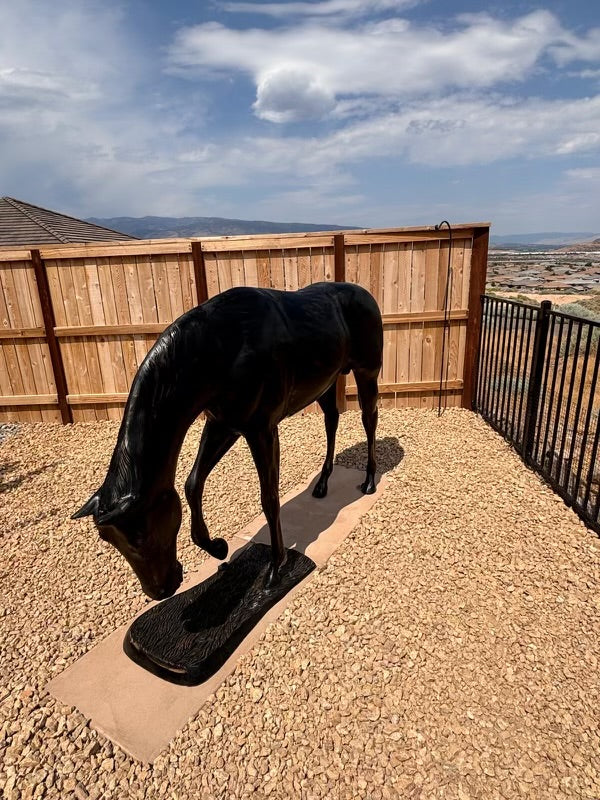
x=535 y=381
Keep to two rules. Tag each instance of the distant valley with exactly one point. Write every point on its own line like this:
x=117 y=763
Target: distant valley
x=543 y=241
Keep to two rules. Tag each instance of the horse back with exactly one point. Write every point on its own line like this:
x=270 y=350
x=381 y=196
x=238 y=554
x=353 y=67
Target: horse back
x=279 y=351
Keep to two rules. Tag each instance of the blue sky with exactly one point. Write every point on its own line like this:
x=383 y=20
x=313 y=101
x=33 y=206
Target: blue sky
x=372 y=112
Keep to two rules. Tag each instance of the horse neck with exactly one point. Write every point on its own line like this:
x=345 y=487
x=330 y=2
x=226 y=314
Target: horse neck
x=166 y=397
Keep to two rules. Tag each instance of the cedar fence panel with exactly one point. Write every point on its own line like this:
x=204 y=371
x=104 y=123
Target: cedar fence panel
x=109 y=301
x=408 y=280
x=109 y=310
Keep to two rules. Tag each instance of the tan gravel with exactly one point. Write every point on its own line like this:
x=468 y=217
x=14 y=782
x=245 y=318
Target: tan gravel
x=448 y=650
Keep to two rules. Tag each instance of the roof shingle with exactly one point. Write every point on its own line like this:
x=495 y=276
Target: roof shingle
x=25 y=224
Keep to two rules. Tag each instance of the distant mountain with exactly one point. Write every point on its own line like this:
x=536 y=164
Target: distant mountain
x=172 y=227
x=548 y=239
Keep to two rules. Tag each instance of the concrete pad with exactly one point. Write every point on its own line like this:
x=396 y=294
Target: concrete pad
x=318 y=527
x=140 y=712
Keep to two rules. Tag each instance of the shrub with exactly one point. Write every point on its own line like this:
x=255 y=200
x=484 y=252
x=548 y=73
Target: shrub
x=579 y=309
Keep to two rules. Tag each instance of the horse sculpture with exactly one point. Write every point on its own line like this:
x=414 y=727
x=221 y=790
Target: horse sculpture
x=247 y=358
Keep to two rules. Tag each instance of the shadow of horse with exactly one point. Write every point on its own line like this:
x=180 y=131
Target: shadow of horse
x=304 y=518
x=389 y=454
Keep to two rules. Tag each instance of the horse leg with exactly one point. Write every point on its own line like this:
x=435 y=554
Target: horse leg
x=328 y=404
x=215 y=442
x=367 y=398
x=264 y=446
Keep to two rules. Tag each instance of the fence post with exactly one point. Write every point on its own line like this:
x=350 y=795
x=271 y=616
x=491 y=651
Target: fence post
x=479 y=256
x=199 y=272
x=540 y=339
x=58 y=367
x=339 y=276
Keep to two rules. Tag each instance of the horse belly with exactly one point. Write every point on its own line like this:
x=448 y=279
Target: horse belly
x=311 y=379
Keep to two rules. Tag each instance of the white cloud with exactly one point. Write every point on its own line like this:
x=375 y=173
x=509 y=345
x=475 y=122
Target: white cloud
x=450 y=132
x=585 y=74
x=325 y=8
x=390 y=59
x=584 y=174
x=461 y=131
x=288 y=95
x=76 y=129
x=573 y=48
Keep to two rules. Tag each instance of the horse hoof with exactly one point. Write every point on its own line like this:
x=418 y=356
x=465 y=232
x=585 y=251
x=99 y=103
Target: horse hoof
x=218 y=548
x=272 y=579
x=320 y=490
x=368 y=487
x=273 y=576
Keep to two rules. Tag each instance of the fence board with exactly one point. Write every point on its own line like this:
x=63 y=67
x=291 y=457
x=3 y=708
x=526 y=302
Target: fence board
x=290 y=261
x=237 y=270
x=417 y=303
x=186 y=278
x=97 y=319
x=134 y=296
x=277 y=269
x=404 y=266
x=250 y=268
x=115 y=381
x=13 y=380
x=431 y=338
x=79 y=275
x=36 y=351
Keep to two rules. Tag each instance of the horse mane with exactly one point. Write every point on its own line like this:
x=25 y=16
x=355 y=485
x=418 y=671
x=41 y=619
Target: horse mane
x=153 y=390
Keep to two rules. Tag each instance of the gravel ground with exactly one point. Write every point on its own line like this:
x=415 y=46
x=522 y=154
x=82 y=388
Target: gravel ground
x=449 y=649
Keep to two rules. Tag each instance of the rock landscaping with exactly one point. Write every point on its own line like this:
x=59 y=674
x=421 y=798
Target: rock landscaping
x=449 y=648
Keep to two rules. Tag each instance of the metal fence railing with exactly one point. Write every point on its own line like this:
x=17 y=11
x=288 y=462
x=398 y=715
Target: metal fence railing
x=538 y=385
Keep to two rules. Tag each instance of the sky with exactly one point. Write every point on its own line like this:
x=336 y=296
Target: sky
x=373 y=113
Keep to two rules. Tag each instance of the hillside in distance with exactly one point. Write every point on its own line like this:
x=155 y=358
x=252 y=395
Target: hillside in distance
x=545 y=240
x=589 y=247
x=173 y=227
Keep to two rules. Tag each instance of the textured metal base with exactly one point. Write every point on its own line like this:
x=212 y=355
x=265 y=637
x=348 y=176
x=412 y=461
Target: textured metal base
x=187 y=638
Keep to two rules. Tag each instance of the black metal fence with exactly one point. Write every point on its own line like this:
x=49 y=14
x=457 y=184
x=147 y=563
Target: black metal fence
x=538 y=385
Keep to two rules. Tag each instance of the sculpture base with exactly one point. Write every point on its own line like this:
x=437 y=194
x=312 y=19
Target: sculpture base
x=189 y=637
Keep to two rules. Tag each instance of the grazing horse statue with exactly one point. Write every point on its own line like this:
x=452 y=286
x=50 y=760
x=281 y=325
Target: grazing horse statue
x=247 y=358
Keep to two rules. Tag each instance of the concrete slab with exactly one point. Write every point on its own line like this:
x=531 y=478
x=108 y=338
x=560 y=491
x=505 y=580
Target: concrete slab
x=140 y=712
x=318 y=527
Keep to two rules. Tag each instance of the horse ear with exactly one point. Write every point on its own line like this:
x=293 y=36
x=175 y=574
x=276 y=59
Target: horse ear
x=118 y=511
x=87 y=509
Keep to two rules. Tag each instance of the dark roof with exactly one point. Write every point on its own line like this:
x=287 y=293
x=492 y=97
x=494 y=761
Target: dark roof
x=25 y=224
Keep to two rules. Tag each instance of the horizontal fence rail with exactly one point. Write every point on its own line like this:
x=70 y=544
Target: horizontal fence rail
x=538 y=385
x=76 y=321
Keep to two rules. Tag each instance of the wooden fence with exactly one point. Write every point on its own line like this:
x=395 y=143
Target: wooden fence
x=77 y=320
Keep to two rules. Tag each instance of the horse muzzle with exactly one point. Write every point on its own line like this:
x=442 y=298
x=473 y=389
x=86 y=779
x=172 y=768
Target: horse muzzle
x=168 y=588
